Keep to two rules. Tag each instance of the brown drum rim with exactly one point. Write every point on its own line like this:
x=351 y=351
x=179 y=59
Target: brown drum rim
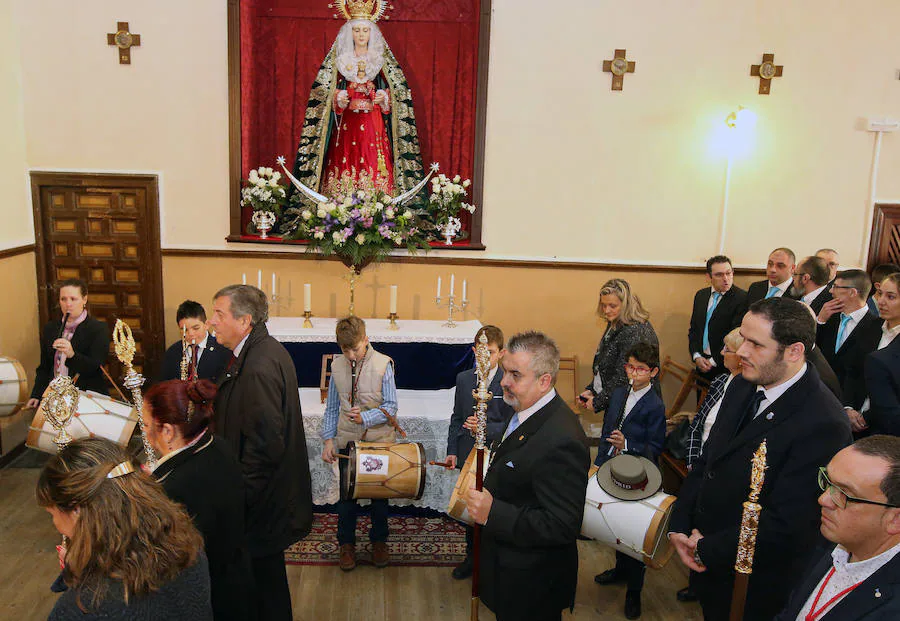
x=348 y=488
x=23 y=385
x=35 y=429
x=421 y=490
x=661 y=514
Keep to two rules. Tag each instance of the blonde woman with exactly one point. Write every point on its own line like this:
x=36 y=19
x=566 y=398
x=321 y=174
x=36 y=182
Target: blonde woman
x=132 y=552
x=627 y=324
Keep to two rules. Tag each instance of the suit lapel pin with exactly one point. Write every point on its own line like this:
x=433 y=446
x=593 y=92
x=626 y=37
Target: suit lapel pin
x=521 y=438
x=770 y=415
x=877 y=592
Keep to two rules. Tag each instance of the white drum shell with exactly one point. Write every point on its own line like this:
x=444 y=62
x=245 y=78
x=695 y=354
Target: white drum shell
x=98 y=416
x=624 y=524
x=13 y=386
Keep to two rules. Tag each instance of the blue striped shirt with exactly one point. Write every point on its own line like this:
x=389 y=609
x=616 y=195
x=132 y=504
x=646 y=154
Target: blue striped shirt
x=370 y=417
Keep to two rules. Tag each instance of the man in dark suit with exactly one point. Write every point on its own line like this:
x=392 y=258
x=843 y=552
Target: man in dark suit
x=832 y=260
x=859 y=579
x=460 y=441
x=778 y=398
x=779 y=269
x=209 y=358
x=846 y=334
x=811 y=281
x=882 y=374
x=532 y=503
x=718 y=309
x=258 y=414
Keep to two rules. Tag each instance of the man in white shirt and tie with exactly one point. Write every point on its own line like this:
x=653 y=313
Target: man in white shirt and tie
x=846 y=334
x=859 y=579
x=779 y=271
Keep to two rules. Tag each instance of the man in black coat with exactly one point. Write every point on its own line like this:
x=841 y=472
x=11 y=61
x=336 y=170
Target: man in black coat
x=533 y=498
x=718 y=309
x=778 y=398
x=859 y=579
x=258 y=415
x=209 y=356
x=882 y=373
x=846 y=334
x=459 y=435
x=779 y=277
x=811 y=280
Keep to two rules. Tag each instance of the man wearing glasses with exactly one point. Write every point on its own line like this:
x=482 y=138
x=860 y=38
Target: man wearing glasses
x=778 y=398
x=860 y=577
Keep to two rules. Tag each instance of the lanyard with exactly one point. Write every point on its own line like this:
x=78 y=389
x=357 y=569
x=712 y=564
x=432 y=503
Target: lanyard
x=814 y=614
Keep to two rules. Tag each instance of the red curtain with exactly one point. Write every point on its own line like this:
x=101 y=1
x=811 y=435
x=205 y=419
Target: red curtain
x=283 y=43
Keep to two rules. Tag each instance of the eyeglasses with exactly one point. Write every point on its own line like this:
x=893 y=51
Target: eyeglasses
x=840 y=498
x=637 y=370
x=841 y=287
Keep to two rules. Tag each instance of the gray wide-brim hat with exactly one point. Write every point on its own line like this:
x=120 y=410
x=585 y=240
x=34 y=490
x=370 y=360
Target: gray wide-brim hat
x=629 y=477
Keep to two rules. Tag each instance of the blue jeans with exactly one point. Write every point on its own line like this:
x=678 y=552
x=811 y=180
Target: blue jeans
x=347 y=511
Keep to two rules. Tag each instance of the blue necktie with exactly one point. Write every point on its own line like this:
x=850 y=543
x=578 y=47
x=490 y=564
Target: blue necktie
x=715 y=300
x=513 y=423
x=772 y=292
x=840 y=335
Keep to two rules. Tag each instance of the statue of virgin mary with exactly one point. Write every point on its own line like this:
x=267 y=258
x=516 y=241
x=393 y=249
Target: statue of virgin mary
x=359 y=130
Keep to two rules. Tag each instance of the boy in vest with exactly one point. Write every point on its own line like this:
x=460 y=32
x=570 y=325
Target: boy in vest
x=361 y=391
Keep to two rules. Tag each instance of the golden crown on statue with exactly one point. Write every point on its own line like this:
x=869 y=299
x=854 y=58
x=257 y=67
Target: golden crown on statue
x=372 y=10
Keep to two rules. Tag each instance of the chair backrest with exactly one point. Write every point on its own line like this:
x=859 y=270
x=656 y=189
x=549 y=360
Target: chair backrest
x=325 y=377
x=690 y=381
x=568 y=365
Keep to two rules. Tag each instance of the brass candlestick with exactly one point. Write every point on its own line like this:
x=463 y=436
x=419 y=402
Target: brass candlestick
x=393 y=322
x=125 y=348
x=306 y=322
x=451 y=307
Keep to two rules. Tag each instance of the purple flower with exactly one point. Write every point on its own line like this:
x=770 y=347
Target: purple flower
x=367 y=223
x=355 y=214
x=384 y=230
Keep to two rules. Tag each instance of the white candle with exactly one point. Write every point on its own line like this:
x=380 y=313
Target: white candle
x=464 y=291
x=439 y=287
x=244 y=278
x=259 y=279
x=452 y=283
x=273 y=283
x=394 y=299
x=307 y=297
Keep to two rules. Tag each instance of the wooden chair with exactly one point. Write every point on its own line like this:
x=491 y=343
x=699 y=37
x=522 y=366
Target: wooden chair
x=325 y=377
x=569 y=365
x=689 y=381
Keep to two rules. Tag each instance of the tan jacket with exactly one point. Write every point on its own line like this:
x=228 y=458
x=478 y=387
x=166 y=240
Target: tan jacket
x=370 y=374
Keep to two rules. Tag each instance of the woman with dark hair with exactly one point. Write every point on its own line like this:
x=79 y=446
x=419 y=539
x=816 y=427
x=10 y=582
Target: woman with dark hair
x=132 y=553
x=200 y=472
x=627 y=324
x=76 y=345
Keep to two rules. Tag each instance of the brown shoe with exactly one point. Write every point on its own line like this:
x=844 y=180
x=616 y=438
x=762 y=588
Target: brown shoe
x=348 y=557
x=380 y=555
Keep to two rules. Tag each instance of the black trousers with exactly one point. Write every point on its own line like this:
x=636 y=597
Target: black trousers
x=632 y=570
x=273 y=598
x=348 y=510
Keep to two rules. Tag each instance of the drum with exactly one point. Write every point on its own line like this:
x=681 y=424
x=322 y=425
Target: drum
x=13 y=386
x=457 y=507
x=96 y=416
x=381 y=470
x=636 y=528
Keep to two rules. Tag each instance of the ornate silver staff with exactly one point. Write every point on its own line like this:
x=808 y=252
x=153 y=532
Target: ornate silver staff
x=743 y=565
x=125 y=348
x=482 y=398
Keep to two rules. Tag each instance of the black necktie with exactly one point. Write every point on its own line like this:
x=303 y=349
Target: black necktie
x=751 y=409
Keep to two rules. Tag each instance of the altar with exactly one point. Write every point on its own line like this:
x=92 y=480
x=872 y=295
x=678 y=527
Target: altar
x=423 y=414
x=427 y=355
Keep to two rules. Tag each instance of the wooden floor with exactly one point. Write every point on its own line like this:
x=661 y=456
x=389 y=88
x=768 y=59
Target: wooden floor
x=28 y=566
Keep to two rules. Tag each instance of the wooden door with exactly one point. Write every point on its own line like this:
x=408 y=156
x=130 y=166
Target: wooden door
x=103 y=229
x=885 y=244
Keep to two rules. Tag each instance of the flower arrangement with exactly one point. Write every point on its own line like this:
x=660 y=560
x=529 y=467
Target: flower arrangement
x=358 y=225
x=263 y=192
x=446 y=202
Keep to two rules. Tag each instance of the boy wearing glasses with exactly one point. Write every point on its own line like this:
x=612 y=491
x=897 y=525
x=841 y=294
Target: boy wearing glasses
x=635 y=422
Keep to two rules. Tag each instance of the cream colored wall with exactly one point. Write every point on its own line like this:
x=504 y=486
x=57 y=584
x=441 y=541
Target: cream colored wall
x=570 y=165
x=19 y=329
x=15 y=202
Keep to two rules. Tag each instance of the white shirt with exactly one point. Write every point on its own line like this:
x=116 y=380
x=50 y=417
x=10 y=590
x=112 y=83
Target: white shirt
x=846 y=574
x=809 y=297
x=772 y=394
x=240 y=346
x=630 y=401
x=201 y=347
x=888 y=335
x=782 y=288
x=714 y=412
x=855 y=317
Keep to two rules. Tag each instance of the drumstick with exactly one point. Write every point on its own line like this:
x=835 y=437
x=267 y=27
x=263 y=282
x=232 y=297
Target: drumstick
x=114 y=385
x=342 y=456
x=443 y=464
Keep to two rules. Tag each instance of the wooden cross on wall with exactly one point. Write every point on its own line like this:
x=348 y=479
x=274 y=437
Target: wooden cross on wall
x=123 y=40
x=765 y=72
x=618 y=67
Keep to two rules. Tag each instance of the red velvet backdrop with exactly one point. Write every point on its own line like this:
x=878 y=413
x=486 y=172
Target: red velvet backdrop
x=283 y=43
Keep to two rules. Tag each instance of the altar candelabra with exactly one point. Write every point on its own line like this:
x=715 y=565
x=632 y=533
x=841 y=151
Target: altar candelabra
x=451 y=304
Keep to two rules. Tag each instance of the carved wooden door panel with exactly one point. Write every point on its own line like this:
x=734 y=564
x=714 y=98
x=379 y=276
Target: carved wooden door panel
x=885 y=245
x=104 y=229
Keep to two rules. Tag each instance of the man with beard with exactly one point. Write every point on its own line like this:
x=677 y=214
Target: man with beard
x=778 y=398
x=779 y=277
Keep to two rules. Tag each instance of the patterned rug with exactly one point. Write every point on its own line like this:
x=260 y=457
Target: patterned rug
x=414 y=541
